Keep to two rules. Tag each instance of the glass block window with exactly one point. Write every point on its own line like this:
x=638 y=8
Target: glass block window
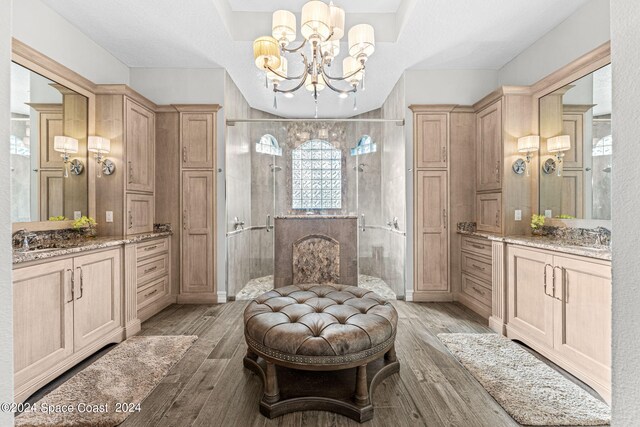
x=316 y=176
x=365 y=145
x=268 y=144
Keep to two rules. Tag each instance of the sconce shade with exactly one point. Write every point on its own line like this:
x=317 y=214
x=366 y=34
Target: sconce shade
x=65 y=144
x=319 y=86
x=361 y=41
x=559 y=143
x=266 y=50
x=98 y=144
x=349 y=66
x=282 y=69
x=527 y=144
x=315 y=21
x=337 y=21
x=284 y=26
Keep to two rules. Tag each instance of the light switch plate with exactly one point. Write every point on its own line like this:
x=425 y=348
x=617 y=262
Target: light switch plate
x=547 y=213
x=109 y=217
x=518 y=215
x=77 y=214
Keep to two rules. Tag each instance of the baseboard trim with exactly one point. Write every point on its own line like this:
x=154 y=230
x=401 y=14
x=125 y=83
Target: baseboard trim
x=155 y=308
x=426 y=296
x=222 y=297
x=496 y=325
x=133 y=328
x=198 y=298
x=408 y=296
x=474 y=305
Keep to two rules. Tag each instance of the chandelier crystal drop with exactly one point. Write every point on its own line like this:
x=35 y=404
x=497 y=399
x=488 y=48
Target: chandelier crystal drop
x=322 y=28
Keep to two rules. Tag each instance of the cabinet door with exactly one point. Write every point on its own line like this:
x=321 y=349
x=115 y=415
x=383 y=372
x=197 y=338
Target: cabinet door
x=140 y=143
x=572 y=193
x=140 y=213
x=489 y=212
x=42 y=318
x=51 y=194
x=431 y=231
x=50 y=126
x=431 y=143
x=572 y=125
x=97 y=304
x=489 y=148
x=197 y=236
x=530 y=300
x=197 y=132
x=582 y=315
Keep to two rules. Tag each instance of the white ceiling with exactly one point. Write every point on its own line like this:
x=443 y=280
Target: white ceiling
x=424 y=34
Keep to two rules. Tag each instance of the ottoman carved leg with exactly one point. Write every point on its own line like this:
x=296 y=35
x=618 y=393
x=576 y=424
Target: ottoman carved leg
x=362 y=393
x=271 y=390
x=391 y=354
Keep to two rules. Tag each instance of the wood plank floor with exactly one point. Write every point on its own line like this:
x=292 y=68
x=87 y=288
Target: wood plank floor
x=210 y=387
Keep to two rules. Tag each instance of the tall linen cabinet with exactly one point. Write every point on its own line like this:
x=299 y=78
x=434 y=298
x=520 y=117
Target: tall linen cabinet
x=186 y=173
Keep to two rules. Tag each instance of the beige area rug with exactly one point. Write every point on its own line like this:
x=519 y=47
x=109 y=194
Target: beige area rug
x=531 y=391
x=126 y=374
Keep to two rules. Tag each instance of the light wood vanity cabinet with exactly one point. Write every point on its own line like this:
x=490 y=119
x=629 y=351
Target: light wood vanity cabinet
x=489 y=212
x=560 y=305
x=476 y=274
x=140 y=142
x=140 y=213
x=150 y=276
x=197 y=132
x=64 y=310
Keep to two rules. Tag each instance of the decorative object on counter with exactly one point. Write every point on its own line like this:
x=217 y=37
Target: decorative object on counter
x=87 y=223
x=531 y=392
x=527 y=145
x=58 y=218
x=162 y=228
x=128 y=373
x=537 y=222
x=469 y=227
x=101 y=146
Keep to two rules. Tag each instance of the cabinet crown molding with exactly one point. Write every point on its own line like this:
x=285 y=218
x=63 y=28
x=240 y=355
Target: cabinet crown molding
x=432 y=108
x=121 y=89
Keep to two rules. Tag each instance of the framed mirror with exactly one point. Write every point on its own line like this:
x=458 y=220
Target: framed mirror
x=48 y=146
x=576 y=149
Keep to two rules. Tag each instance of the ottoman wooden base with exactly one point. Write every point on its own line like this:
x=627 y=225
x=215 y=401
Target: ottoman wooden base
x=331 y=391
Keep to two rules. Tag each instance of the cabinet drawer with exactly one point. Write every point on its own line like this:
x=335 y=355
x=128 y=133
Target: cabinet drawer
x=151 y=268
x=477 y=289
x=478 y=266
x=149 y=249
x=476 y=246
x=153 y=291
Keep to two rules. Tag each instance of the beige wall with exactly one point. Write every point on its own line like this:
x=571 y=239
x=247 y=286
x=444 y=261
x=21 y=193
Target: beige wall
x=6 y=303
x=625 y=16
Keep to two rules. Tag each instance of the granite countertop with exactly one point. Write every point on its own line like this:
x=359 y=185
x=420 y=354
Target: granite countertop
x=316 y=217
x=548 y=243
x=87 y=244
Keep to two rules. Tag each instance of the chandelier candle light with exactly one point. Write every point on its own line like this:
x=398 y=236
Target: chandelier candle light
x=322 y=26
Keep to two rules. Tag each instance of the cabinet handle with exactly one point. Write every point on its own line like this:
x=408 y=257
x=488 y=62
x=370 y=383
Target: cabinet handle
x=477 y=246
x=149 y=270
x=73 y=284
x=150 y=293
x=184 y=220
x=444 y=218
x=184 y=154
x=81 y=283
x=477 y=267
x=150 y=248
x=130 y=220
x=497 y=170
x=444 y=154
x=554 y=281
x=497 y=218
x=130 y=172
x=477 y=290
x=268 y=223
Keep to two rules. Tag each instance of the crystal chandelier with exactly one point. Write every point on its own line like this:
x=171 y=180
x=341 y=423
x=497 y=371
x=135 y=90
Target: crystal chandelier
x=322 y=26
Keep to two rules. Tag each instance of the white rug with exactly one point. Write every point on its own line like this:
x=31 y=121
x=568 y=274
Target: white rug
x=126 y=374
x=531 y=391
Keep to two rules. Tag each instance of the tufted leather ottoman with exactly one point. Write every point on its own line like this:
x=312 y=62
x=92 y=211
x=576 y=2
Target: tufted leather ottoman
x=332 y=345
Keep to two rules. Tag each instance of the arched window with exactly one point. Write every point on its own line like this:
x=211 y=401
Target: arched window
x=316 y=176
x=268 y=144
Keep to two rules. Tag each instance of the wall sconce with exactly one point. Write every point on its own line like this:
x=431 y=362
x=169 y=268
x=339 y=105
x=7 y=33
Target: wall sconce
x=528 y=145
x=102 y=146
x=67 y=145
x=558 y=145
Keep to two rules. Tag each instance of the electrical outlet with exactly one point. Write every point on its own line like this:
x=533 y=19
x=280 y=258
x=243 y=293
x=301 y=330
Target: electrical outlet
x=77 y=214
x=109 y=217
x=518 y=215
x=547 y=213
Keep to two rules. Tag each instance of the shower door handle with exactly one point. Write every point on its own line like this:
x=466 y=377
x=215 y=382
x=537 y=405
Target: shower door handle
x=268 y=227
x=362 y=222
